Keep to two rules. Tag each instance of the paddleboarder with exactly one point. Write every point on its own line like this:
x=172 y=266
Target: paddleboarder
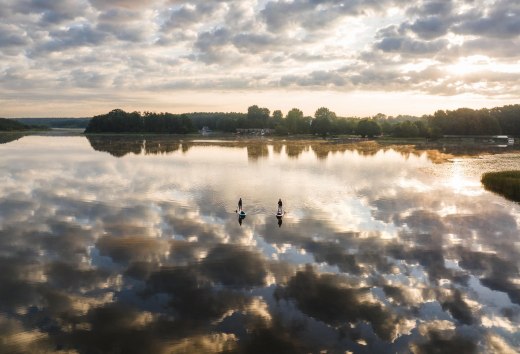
x=240 y=205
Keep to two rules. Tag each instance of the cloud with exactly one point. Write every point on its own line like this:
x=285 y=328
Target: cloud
x=132 y=249
x=323 y=297
x=431 y=8
x=190 y=15
x=67 y=276
x=312 y=15
x=444 y=341
x=73 y=37
x=127 y=4
x=492 y=47
x=124 y=24
x=29 y=341
x=316 y=79
x=255 y=43
x=51 y=12
x=88 y=79
x=430 y=27
x=404 y=45
x=234 y=266
x=10 y=36
x=501 y=21
x=154 y=46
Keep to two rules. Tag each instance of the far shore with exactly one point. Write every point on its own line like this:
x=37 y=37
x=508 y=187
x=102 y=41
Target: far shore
x=383 y=140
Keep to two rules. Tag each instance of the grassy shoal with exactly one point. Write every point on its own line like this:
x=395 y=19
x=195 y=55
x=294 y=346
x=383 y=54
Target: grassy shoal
x=505 y=183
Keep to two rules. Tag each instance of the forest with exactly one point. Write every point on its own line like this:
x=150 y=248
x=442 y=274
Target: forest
x=119 y=121
x=463 y=121
x=70 y=123
x=12 y=125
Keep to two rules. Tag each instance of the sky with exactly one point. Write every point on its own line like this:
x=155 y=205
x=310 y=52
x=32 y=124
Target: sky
x=78 y=58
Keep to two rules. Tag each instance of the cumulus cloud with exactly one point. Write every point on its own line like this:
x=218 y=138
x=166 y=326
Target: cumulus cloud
x=51 y=12
x=431 y=8
x=499 y=21
x=73 y=37
x=147 y=46
x=10 y=36
x=403 y=45
x=429 y=28
x=125 y=25
x=129 y=4
x=313 y=15
x=190 y=15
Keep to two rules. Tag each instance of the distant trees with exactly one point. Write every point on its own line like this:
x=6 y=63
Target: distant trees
x=119 y=121
x=12 y=125
x=344 y=125
x=409 y=129
x=368 y=128
x=225 y=122
x=277 y=118
x=296 y=122
x=322 y=122
x=257 y=117
x=70 y=123
x=508 y=118
x=463 y=121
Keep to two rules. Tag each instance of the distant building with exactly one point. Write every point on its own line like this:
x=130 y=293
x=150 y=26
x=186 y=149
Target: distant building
x=490 y=139
x=205 y=130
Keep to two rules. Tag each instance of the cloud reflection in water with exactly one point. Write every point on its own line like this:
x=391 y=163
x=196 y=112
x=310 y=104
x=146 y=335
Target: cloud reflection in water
x=139 y=250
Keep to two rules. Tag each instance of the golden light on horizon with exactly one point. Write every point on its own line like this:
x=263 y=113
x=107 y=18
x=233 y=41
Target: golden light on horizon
x=471 y=64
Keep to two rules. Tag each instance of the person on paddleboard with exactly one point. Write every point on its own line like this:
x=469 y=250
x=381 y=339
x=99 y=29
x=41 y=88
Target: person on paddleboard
x=279 y=206
x=240 y=205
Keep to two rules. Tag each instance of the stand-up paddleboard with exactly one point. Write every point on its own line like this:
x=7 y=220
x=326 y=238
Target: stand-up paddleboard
x=242 y=214
x=279 y=214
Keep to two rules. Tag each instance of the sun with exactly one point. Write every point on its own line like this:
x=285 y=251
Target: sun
x=469 y=65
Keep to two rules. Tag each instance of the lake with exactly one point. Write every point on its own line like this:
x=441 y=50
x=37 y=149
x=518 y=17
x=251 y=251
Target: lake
x=129 y=244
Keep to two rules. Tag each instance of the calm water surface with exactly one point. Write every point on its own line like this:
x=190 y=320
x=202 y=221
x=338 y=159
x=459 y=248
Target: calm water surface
x=132 y=245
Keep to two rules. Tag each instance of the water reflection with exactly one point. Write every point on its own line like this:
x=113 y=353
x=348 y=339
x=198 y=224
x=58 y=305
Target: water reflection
x=380 y=251
x=280 y=220
x=9 y=137
x=240 y=219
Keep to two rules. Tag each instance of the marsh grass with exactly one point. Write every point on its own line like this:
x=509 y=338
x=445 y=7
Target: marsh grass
x=505 y=183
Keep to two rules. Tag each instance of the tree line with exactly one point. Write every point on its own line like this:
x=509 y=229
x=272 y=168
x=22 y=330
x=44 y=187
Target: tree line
x=12 y=125
x=119 y=121
x=463 y=121
x=71 y=123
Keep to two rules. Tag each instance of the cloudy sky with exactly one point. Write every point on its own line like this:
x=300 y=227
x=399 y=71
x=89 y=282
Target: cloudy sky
x=356 y=57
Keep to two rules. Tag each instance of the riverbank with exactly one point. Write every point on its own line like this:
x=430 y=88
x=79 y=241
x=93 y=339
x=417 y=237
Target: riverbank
x=505 y=183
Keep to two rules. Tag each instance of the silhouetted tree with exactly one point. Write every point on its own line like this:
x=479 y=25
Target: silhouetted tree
x=277 y=115
x=322 y=122
x=257 y=117
x=368 y=128
x=292 y=120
